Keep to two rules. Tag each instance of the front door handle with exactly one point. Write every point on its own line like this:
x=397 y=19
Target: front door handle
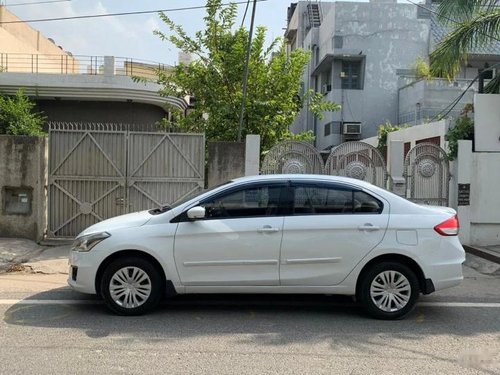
x=268 y=229
x=368 y=228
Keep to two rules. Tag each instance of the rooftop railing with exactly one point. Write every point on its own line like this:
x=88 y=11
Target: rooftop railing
x=79 y=64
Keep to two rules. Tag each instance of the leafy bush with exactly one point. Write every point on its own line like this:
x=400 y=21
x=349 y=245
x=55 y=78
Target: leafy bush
x=384 y=130
x=463 y=130
x=17 y=116
x=421 y=69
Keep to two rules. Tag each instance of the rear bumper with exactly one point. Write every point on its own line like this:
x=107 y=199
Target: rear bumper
x=444 y=266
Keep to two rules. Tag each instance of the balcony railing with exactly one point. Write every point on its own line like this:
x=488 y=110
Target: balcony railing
x=79 y=64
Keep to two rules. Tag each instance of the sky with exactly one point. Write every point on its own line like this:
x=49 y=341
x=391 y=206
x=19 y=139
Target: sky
x=132 y=36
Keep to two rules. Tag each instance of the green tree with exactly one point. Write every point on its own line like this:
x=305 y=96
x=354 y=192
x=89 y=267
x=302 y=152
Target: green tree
x=473 y=23
x=17 y=116
x=215 y=80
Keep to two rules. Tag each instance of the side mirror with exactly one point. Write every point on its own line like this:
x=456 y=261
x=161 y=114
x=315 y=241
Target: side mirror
x=196 y=213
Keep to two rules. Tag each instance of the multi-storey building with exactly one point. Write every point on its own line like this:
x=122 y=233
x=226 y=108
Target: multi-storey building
x=362 y=57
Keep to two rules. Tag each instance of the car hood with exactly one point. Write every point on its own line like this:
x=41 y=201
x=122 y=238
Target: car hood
x=135 y=219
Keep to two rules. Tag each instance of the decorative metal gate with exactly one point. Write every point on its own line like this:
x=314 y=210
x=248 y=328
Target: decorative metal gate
x=427 y=175
x=358 y=160
x=97 y=171
x=293 y=157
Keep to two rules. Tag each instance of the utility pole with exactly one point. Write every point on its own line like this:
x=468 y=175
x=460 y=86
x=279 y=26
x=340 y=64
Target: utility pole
x=245 y=74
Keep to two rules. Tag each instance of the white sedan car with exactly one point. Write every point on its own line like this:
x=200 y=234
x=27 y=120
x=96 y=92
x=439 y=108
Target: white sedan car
x=274 y=234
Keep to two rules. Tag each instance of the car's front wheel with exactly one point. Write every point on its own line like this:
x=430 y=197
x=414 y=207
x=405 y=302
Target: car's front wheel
x=131 y=286
x=389 y=290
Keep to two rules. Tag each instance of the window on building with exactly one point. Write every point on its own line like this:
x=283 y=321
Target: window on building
x=338 y=41
x=316 y=55
x=351 y=75
x=328 y=129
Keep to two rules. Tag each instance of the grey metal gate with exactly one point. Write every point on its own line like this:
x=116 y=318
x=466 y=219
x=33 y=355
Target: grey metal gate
x=427 y=175
x=97 y=171
x=293 y=157
x=358 y=160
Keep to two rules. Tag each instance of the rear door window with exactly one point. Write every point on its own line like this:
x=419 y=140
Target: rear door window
x=311 y=199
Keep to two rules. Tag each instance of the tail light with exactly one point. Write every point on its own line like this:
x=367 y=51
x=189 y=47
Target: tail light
x=449 y=227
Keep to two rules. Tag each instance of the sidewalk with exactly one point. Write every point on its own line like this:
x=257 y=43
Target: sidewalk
x=491 y=253
x=18 y=254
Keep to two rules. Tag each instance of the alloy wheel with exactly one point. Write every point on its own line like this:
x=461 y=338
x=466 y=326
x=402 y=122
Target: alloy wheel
x=130 y=287
x=390 y=291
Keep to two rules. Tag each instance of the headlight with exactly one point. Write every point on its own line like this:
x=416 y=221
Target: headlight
x=86 y=243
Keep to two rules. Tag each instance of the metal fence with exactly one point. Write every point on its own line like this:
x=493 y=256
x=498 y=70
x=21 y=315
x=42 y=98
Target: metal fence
x=77 y=64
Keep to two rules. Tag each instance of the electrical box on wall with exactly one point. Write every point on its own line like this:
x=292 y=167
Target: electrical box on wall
x=17 y=200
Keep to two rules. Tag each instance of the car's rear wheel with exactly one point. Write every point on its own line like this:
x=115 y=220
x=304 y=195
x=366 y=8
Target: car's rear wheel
x=389 y=290
x=131 y=286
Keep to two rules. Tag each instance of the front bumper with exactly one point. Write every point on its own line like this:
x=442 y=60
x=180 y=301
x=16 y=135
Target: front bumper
x=82 y=272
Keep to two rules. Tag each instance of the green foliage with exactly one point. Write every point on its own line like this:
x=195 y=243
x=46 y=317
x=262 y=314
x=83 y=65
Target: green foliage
x=17 y=116
x=307 y=136
x=215 y=79
x=318 y=106
x=477 y=25
x=422 y=69
x=384 y=130
x=463 y=130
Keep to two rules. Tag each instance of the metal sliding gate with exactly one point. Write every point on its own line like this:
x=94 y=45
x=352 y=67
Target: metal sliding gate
x=97 y=171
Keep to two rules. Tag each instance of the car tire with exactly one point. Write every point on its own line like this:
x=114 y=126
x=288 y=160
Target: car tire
x=131 y=286
x=389 y=290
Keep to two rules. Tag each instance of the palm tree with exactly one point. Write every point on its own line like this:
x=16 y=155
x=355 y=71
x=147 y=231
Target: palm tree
x=473 y=23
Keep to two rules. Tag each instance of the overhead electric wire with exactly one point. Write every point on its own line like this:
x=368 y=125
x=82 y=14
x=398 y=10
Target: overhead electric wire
x=245 y=14
x=121 y=13
x=37 y=2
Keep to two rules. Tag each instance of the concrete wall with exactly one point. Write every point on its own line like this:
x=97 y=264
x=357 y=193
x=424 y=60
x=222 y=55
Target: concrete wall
x=423 y=100
x=414 y=134
x=226 y=160
x=487 y=123
x=22 y=38
x=480 y=219
x=20 y=41
x=23 y=166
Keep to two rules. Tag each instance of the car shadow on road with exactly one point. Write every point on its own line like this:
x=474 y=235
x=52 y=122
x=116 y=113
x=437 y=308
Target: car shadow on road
x=311 y=315
x=263 y=320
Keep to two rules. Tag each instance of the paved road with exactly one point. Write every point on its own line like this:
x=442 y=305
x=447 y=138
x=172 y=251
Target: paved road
x=452 y=332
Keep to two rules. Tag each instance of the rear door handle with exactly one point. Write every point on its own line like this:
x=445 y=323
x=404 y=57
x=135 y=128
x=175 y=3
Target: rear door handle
x=268 y=229
x=368 y=228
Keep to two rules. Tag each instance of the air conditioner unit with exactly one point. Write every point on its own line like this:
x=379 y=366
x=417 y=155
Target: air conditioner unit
x=326 y=88
x=353 y=128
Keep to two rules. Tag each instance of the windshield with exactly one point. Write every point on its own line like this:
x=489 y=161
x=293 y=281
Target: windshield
x=160 y=210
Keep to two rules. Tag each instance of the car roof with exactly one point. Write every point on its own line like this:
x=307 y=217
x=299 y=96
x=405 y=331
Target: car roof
x=302 y=177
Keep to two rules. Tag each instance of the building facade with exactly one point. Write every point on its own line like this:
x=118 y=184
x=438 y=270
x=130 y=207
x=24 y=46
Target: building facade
x=70 y=88
x=363 y=56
